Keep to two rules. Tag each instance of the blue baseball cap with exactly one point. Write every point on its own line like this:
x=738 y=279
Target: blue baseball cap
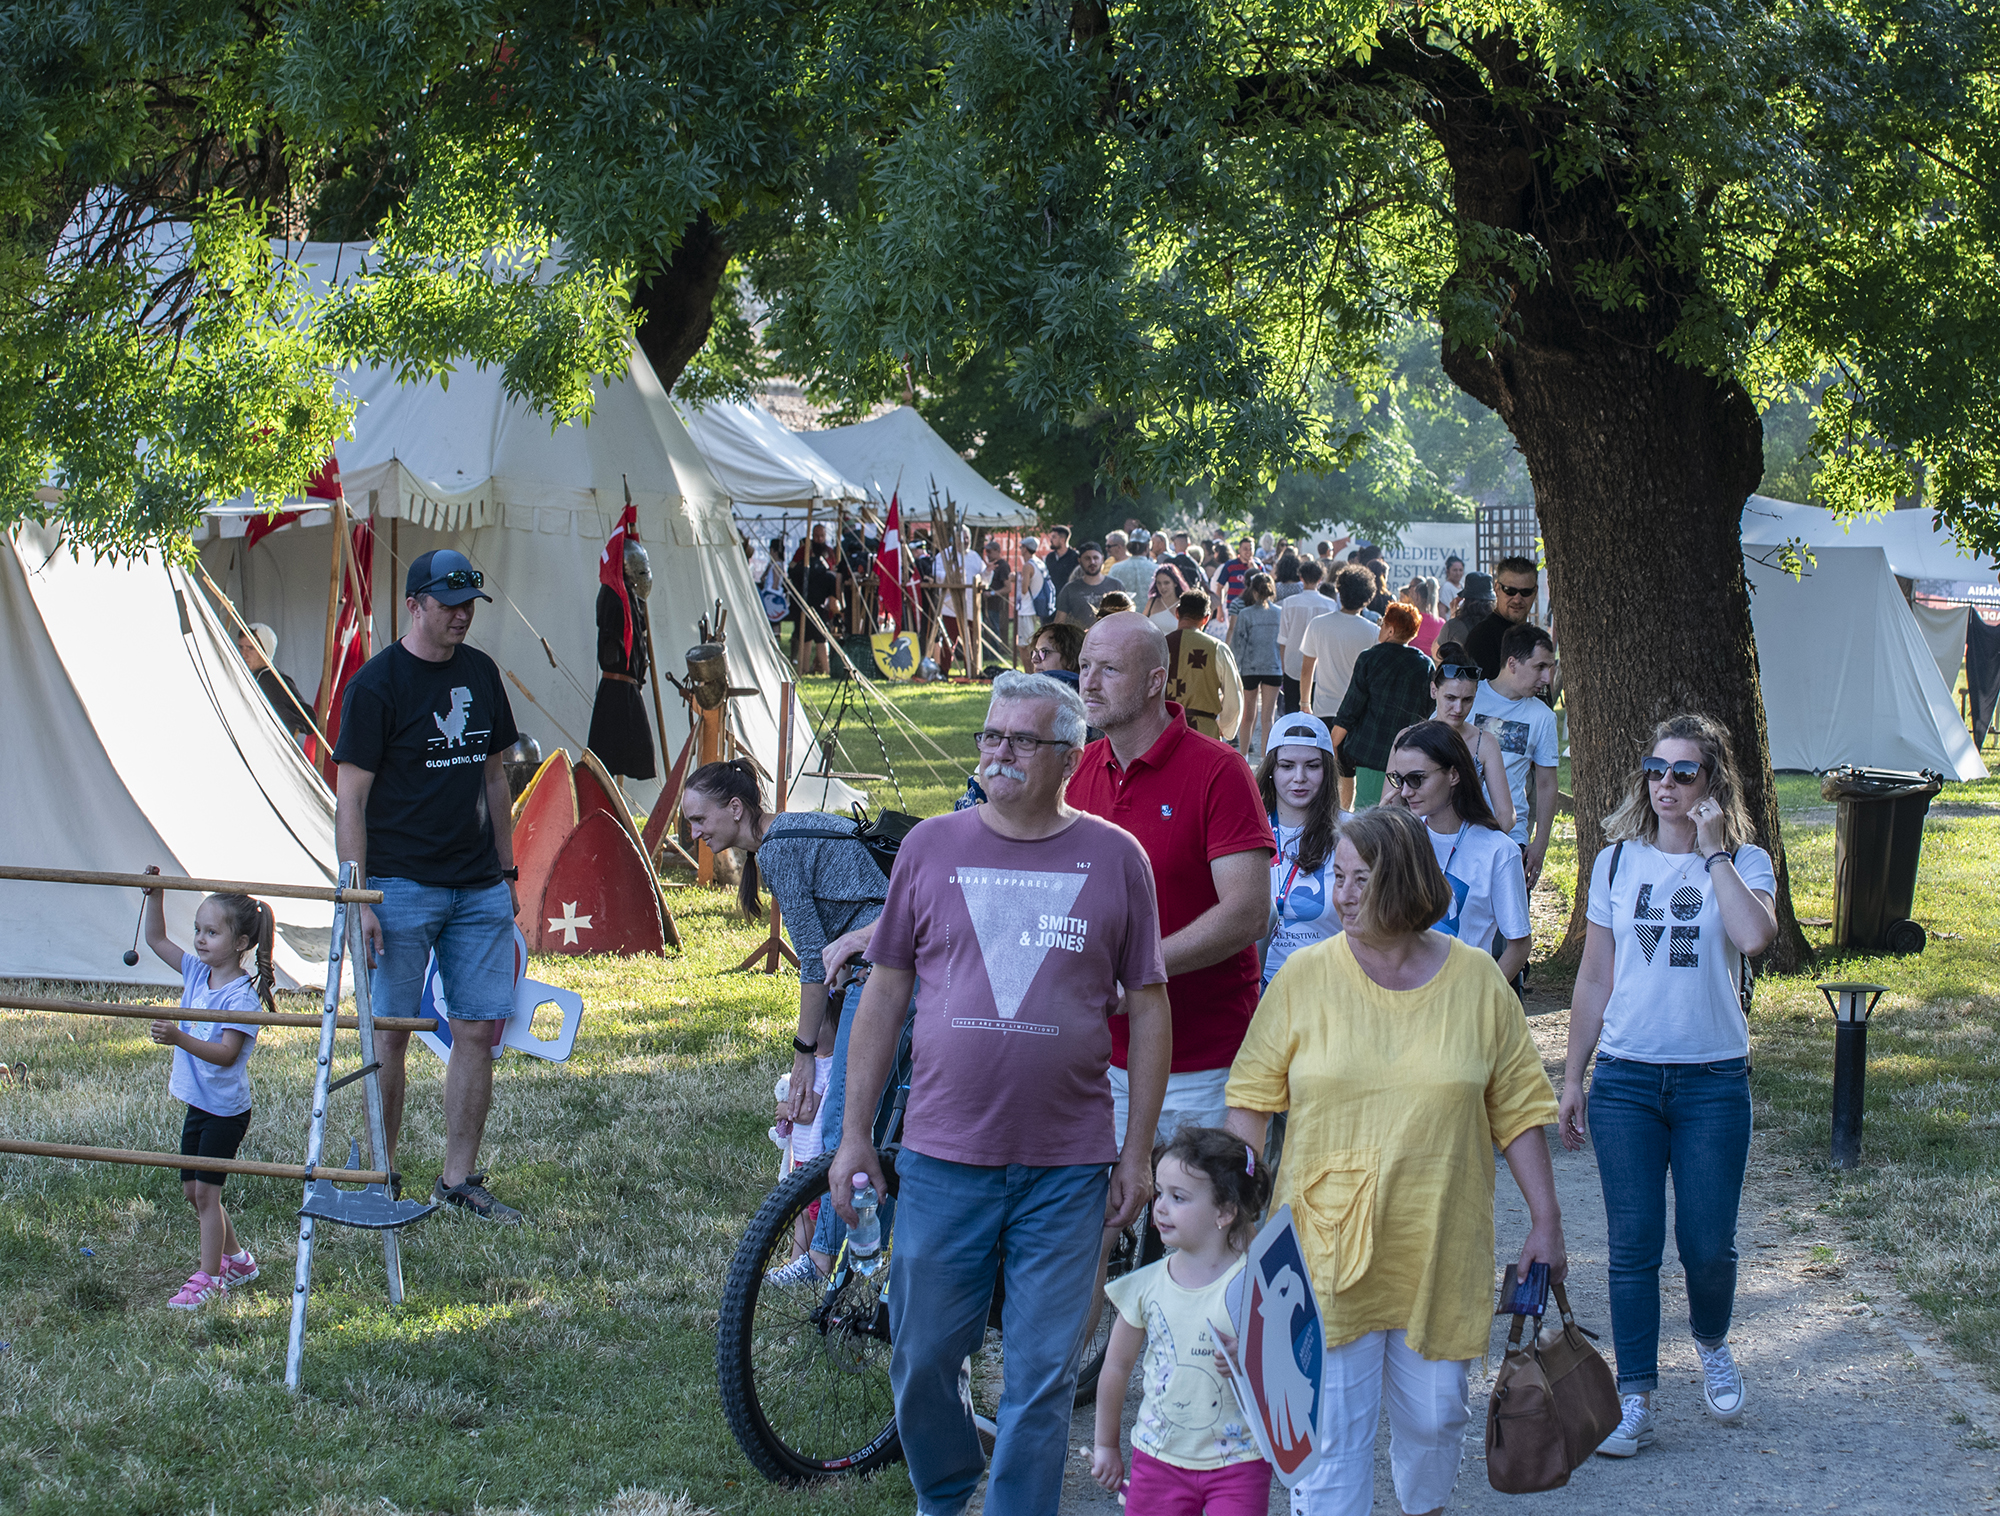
x=448 y=577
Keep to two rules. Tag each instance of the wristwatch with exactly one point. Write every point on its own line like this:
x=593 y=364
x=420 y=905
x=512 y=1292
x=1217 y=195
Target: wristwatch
x=513 y=873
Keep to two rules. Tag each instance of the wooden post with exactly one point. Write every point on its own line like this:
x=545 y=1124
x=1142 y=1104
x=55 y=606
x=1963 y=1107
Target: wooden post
x=708 y=750
x=774 y=947
x=333 y=581
x=805 y=583
x=395 y=570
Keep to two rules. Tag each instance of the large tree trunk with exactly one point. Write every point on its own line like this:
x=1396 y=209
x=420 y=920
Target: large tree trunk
x=1641 y=468
x=677 y=303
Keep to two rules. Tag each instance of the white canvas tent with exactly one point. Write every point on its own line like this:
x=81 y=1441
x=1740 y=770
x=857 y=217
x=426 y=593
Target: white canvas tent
x=136 y=736
x=899 y=454
x=773 y=480
x=531 y=506
x=1915 y=549
x=1846 y=672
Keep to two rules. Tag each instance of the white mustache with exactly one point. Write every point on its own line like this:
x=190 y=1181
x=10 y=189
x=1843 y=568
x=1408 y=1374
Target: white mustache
x=995 y=769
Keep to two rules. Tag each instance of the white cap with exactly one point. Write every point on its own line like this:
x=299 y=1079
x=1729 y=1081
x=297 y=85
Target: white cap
x=1301 y=729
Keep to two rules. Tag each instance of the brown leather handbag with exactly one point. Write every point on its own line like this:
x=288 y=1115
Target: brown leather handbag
x=1553 y=1402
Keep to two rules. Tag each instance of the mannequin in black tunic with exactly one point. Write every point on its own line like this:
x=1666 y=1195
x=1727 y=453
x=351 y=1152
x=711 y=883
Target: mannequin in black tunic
x=619 y=734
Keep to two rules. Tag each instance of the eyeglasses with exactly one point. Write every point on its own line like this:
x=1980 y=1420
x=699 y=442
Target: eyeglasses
x=993 y=741
x=1450 y=671
x=1524 y=591
x=1414 y=780
x=1681 y=771
x=457 y=579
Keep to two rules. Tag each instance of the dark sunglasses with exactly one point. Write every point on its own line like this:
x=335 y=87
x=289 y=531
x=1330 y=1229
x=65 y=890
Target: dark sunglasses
x=1515 y=589
x=1410 y=781
x=1683 y=770
x=457 y=579
x=1450 y=671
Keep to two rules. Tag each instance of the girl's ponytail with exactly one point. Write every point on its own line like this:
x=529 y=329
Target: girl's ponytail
x=267 y=931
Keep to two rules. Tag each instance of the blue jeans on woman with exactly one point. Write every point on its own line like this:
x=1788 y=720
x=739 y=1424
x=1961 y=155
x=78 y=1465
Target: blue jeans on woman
x=1648 y=1120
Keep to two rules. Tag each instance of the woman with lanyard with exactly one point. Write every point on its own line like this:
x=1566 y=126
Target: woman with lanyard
x=1679 y=898
x=1403 y=1061
x=1454 y=686
x=829 y=891
x=1430 y=773
x=1305 y=814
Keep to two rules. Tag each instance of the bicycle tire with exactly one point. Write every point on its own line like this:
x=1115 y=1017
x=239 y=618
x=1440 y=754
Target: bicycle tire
x=804 y=1373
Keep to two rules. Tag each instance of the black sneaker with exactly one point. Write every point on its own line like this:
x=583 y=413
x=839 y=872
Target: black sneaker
x=472 y=1196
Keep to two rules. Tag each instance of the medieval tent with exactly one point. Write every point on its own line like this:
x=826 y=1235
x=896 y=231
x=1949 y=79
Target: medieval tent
x=773 y=480
x=898 y=454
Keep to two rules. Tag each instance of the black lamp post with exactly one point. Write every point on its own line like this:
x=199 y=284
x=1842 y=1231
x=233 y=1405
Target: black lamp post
x=1852 y=1005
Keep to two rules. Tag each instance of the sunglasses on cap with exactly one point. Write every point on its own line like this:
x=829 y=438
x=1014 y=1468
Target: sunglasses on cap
x=457 y=579
x=1682 y=770
x=1516 y=589
x=1450 y=671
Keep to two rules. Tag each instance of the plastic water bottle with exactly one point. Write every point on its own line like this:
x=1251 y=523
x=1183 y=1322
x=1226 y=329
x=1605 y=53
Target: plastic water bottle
x=864 y=1238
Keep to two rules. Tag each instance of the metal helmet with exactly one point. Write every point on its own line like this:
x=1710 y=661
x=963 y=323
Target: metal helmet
x=638 y=567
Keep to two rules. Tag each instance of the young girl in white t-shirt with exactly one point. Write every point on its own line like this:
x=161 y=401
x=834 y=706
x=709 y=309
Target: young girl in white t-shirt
x=1193 y=1451
x=211 y=1066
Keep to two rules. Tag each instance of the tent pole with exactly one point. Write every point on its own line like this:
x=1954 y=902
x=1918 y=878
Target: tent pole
x=395 y=558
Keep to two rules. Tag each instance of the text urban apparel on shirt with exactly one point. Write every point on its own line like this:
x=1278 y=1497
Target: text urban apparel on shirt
x=1020 y=951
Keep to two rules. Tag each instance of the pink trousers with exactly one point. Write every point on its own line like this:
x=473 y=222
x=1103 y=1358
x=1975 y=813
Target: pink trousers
x=1161 y=1489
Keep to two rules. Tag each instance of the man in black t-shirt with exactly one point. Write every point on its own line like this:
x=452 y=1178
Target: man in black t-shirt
x=1062 y=559
x=424 y=809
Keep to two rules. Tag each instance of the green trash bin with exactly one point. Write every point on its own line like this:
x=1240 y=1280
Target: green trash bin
x=1878 y=841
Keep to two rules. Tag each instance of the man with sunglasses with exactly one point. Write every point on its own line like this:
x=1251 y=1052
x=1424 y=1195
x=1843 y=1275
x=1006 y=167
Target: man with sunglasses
x=1515 y=585
x=1508 y=707
x=424 y=810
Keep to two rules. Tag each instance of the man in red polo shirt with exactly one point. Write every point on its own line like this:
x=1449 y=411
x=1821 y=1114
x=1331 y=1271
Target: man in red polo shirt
x=1193 y=805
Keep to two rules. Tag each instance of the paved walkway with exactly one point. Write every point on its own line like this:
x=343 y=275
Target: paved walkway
x=1852 y=1407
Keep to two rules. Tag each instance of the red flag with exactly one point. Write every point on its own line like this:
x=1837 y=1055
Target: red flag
x=889 y=566
x=611 y=565
x=325 y=485
x=350 y=630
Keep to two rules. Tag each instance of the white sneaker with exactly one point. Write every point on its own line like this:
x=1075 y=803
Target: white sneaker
x=1721 y=1383
x=800 y=1271
x=1635 y=1430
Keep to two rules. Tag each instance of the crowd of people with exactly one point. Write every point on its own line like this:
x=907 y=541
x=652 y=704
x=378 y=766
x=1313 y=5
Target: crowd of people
x=1136 y=954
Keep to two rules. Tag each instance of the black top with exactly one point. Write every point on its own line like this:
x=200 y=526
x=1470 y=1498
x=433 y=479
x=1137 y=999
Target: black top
x=425 y=730
x=1191 y=574
x=1482 y=643
x=996 y=581
x=1061 y=566
x=611 y=655
x=293 y=712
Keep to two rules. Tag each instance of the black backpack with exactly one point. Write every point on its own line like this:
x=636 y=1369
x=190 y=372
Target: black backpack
x=883 y=836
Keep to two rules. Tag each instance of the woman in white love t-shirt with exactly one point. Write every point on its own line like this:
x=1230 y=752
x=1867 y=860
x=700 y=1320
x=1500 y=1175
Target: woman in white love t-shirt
x=1431 y=773
x=1679 y=897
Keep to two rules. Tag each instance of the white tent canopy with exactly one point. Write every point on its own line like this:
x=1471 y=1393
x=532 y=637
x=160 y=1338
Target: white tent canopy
x=1846 y=672
x=768 y=472
x=899 y=454
x=1914 y=548
x=137 y=735
x=532 y=506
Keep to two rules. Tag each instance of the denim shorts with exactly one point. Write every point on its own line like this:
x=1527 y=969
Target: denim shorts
x=472 y=933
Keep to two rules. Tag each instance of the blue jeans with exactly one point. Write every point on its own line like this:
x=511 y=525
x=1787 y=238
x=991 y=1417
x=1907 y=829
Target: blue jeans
x=472 y=933
x=1648 y=1120
x=830 y=1231
x=959 y=1226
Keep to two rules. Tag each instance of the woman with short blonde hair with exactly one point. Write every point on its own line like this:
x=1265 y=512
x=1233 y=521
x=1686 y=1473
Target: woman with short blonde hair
x=1403 y=1060
x=1680 y=898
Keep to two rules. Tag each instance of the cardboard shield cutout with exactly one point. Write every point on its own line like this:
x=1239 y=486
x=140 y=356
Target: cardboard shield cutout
x=530 y=996
x=1280 y=1368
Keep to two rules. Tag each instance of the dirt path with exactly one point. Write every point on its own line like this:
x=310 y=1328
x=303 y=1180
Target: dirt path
x=1852 y=1409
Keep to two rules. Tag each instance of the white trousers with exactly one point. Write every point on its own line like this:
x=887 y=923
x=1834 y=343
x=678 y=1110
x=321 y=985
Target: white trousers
x=1194 y=1098
x=1427 y=1420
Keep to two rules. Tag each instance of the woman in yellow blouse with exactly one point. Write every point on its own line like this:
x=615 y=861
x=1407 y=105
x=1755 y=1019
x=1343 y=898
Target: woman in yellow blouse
x=1403 y=1059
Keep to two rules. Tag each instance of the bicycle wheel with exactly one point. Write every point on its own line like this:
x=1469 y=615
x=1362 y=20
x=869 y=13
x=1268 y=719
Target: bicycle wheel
x=1137 y=1245
x=804 y=1370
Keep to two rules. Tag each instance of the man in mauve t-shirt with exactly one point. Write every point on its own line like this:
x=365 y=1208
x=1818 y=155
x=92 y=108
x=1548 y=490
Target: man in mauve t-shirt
x=1018 y=922
x=1193 y=804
